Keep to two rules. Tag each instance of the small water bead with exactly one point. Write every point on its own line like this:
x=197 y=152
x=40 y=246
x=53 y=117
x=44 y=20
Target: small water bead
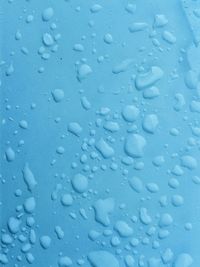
x=136 y=184
x=158 y=161
x=79 y=183
x=53 y=26
x=6 y=239
x=103 y=208
x=191 y=79
x=165 y=220
x=30 y=258
x=23 y=124
x=152 y=187
x=10 y=69
x=134 y=145
x=130 y=8
x=134 y=242
x=137 y=26
x=14 y=225
x=83 y=72
x=64 y=261
x=150 y=123
x=188 y=226
x=41 y=70
x=58 y=95
x=59 y=232
x=26 y=247
x=45 y=241
x=104 y=148
x=123 y=229
x=29 y=205
x=196 y=179
x=195 y=106
x=160 y=20
x=177 y=200
x=85 y=103
x=29 y=178
x=167 y=256
x=66 y=200
x=22 y=238
x=48 y=39
x=18 y=35
x=127 y=161
x=155 y=244
x=163 y=233
x=93 y=235
x=151 y=92
x=32 y=236
x=75 y=128
x=151 y=231
x=10 y=154
x=144 y=216
x=115 y=241
x=57 y=37
x=95 y=8
x=102 y=258
x=47 y=14
x=183 y=260
x=83 y=158
x=60 y=150
x=129 y=261
x=107 y=232
x=30 y=221
x=123 y=66
x=21 y=143
x=189 y=162
x=3 y=259
x=173 y=183
x=111 y=126
x=130 y=113
x=169 y=37
x=177 y=170
x=41 y=50
x=108 y=39
x=78 y=47
x=148 y=79
x=180 y=102
x=29 y=18
x=18 y=192
x=24 y=50
x=154 y=262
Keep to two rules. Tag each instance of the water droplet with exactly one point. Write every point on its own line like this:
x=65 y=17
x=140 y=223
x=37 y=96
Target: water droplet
x=45 y=241
x=83 y=72
x=123 y=229
x=29 y=178
x=58 y=95
x=102 y=258
x=47 y=14
x=64 y=261
x=130 y=113
x=79 y=183
x=10 y=154
x=66 y=200
x=103 y=208
x=183 y=260
x=134 y=145
x=144 y=80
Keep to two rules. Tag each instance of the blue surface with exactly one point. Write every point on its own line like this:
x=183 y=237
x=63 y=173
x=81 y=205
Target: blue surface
x=100 y=133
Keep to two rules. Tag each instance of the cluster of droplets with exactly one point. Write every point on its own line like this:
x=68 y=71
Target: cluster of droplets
x=111 y=142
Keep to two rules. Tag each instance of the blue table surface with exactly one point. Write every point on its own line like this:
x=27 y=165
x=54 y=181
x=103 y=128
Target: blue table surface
x=100 y=133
